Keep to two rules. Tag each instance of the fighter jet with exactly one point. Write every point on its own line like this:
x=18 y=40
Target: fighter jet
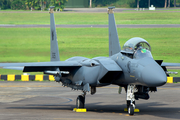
x=131 y=67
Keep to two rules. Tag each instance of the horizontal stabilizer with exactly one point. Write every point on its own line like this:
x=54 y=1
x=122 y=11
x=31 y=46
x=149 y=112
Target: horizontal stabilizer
x=171 y=65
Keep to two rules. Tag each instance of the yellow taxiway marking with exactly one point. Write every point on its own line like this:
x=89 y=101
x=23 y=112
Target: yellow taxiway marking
x=125 y=109
x=80 y=109
x=135 y=110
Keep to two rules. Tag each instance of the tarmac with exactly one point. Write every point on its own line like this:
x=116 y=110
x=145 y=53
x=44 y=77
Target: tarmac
x=51 y=101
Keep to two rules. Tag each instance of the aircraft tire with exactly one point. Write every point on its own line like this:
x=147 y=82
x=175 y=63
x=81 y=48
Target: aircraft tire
x=128 y=102
x=131 y=110
x=80 y=101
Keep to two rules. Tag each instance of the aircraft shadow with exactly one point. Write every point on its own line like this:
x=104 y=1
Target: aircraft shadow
x=153 y=109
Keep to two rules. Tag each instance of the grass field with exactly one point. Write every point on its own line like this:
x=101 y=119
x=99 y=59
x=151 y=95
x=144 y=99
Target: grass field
x=136 y=17
x=33 y=44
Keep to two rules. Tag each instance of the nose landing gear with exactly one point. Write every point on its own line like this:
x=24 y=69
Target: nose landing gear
x=130 y=99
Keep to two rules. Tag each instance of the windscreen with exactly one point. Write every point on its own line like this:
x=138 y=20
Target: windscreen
x=141 y=53
x=137 y=48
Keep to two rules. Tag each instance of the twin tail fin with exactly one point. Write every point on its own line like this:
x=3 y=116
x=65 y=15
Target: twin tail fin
x=114 y=46
x=54 y=44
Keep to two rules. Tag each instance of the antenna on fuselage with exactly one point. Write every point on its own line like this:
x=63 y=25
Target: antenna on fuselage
x=114 y=46
x=54 y=44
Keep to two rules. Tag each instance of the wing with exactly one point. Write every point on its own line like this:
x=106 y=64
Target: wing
x=41 y=66
x=171 y=65
x=165 y=65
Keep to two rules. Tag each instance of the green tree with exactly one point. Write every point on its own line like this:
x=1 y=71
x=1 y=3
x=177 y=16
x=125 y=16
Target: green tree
x=103 y=2
x=5 y=4
x=18 y=4
x=44 y=4
x=156 y=3
x=59 y=4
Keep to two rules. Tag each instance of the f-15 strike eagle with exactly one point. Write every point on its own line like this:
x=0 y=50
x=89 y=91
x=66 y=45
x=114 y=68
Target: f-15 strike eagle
x=131 y=67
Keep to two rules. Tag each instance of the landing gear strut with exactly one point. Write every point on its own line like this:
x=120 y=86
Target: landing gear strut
x=130 y=99
x=80 y=101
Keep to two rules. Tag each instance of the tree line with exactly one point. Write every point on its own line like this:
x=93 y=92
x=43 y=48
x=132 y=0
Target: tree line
x=137 y=3
x=60 y=4
x=31 y=4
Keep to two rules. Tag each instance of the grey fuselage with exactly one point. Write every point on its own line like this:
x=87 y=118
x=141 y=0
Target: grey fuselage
x=143 y=71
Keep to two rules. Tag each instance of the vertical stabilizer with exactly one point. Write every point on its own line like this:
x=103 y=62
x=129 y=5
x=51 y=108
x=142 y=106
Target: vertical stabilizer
x=114 y=46
x=54 y=44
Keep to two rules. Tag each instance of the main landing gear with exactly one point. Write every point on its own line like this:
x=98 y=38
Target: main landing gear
x=130 y=99
x=80 y=101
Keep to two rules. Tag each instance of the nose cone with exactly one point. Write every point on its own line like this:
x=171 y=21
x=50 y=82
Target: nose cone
x=153 y=75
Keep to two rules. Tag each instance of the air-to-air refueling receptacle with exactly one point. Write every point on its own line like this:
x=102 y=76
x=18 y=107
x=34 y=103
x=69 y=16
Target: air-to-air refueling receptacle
x=131 y=67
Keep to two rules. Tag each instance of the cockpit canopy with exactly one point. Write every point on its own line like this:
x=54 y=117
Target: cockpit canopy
x=137 y=48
